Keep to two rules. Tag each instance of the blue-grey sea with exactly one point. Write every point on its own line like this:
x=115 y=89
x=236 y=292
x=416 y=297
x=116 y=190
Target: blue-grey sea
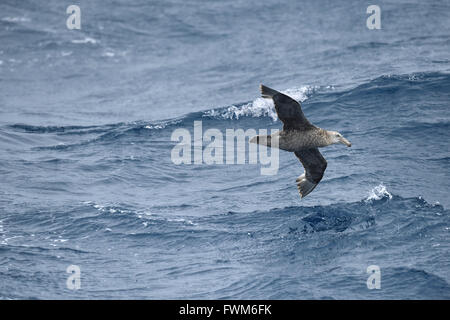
x=87 y=179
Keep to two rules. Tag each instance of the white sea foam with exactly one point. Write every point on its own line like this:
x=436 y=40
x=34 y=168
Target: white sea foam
x=189 y=222
x=60 y=240
x=145 y=215
x=108 y=54
x=260 y=107
x=156 y=217
x=378 y=193
x=85 y=40
x=105 y=208
x=5 y=241
x=15 y=19
x=162 y=125
x=99 y=207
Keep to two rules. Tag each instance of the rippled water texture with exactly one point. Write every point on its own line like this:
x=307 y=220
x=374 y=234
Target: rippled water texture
x=86 y=177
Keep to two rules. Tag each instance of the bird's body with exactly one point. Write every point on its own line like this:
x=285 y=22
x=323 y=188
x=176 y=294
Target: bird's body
x=294 y=140
x=301 y=137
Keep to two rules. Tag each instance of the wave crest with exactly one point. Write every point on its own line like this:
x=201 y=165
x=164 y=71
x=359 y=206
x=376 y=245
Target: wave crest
x=260 y=107
x=378 y=193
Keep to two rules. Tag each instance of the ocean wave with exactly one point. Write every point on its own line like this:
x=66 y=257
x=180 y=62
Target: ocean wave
x=419 y=129
x=337 y=217
x=260 y=107
x=378 y=193
x=87 y=172
x=152 y=215
x=427 y=283
x=318 y=101
x=50 y=129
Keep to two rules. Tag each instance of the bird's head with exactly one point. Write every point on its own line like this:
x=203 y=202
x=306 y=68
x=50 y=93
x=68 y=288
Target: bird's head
x=336 y=137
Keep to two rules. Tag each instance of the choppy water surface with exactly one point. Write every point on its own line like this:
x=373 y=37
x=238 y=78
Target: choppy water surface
x=86 y=119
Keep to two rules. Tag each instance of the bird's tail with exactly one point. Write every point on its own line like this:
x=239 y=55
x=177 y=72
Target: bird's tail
x=266 y=92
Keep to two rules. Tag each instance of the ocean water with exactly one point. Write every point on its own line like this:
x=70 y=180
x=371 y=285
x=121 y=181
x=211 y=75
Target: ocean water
x=86 y=176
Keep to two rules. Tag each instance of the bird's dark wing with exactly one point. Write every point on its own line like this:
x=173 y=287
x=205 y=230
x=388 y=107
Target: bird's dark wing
x=315 y=165
x=289 y=111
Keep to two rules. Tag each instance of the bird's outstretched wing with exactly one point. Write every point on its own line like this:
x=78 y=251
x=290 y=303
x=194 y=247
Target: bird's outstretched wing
x=289 y=111
x=315 y=165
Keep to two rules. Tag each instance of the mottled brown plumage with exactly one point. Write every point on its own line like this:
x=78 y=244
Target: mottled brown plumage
x=301 y=137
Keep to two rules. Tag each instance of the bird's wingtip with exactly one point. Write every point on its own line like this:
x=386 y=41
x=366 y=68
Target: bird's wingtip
x=267 y=92
x=261 y=87
x=304 y=186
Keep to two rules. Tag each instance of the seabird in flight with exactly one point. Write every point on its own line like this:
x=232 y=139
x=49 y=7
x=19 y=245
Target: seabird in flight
x=301 y=137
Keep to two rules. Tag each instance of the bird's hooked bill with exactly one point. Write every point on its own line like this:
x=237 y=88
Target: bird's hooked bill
x=345 y=141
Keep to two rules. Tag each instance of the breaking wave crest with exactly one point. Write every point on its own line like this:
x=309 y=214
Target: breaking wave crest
x=260 y=107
